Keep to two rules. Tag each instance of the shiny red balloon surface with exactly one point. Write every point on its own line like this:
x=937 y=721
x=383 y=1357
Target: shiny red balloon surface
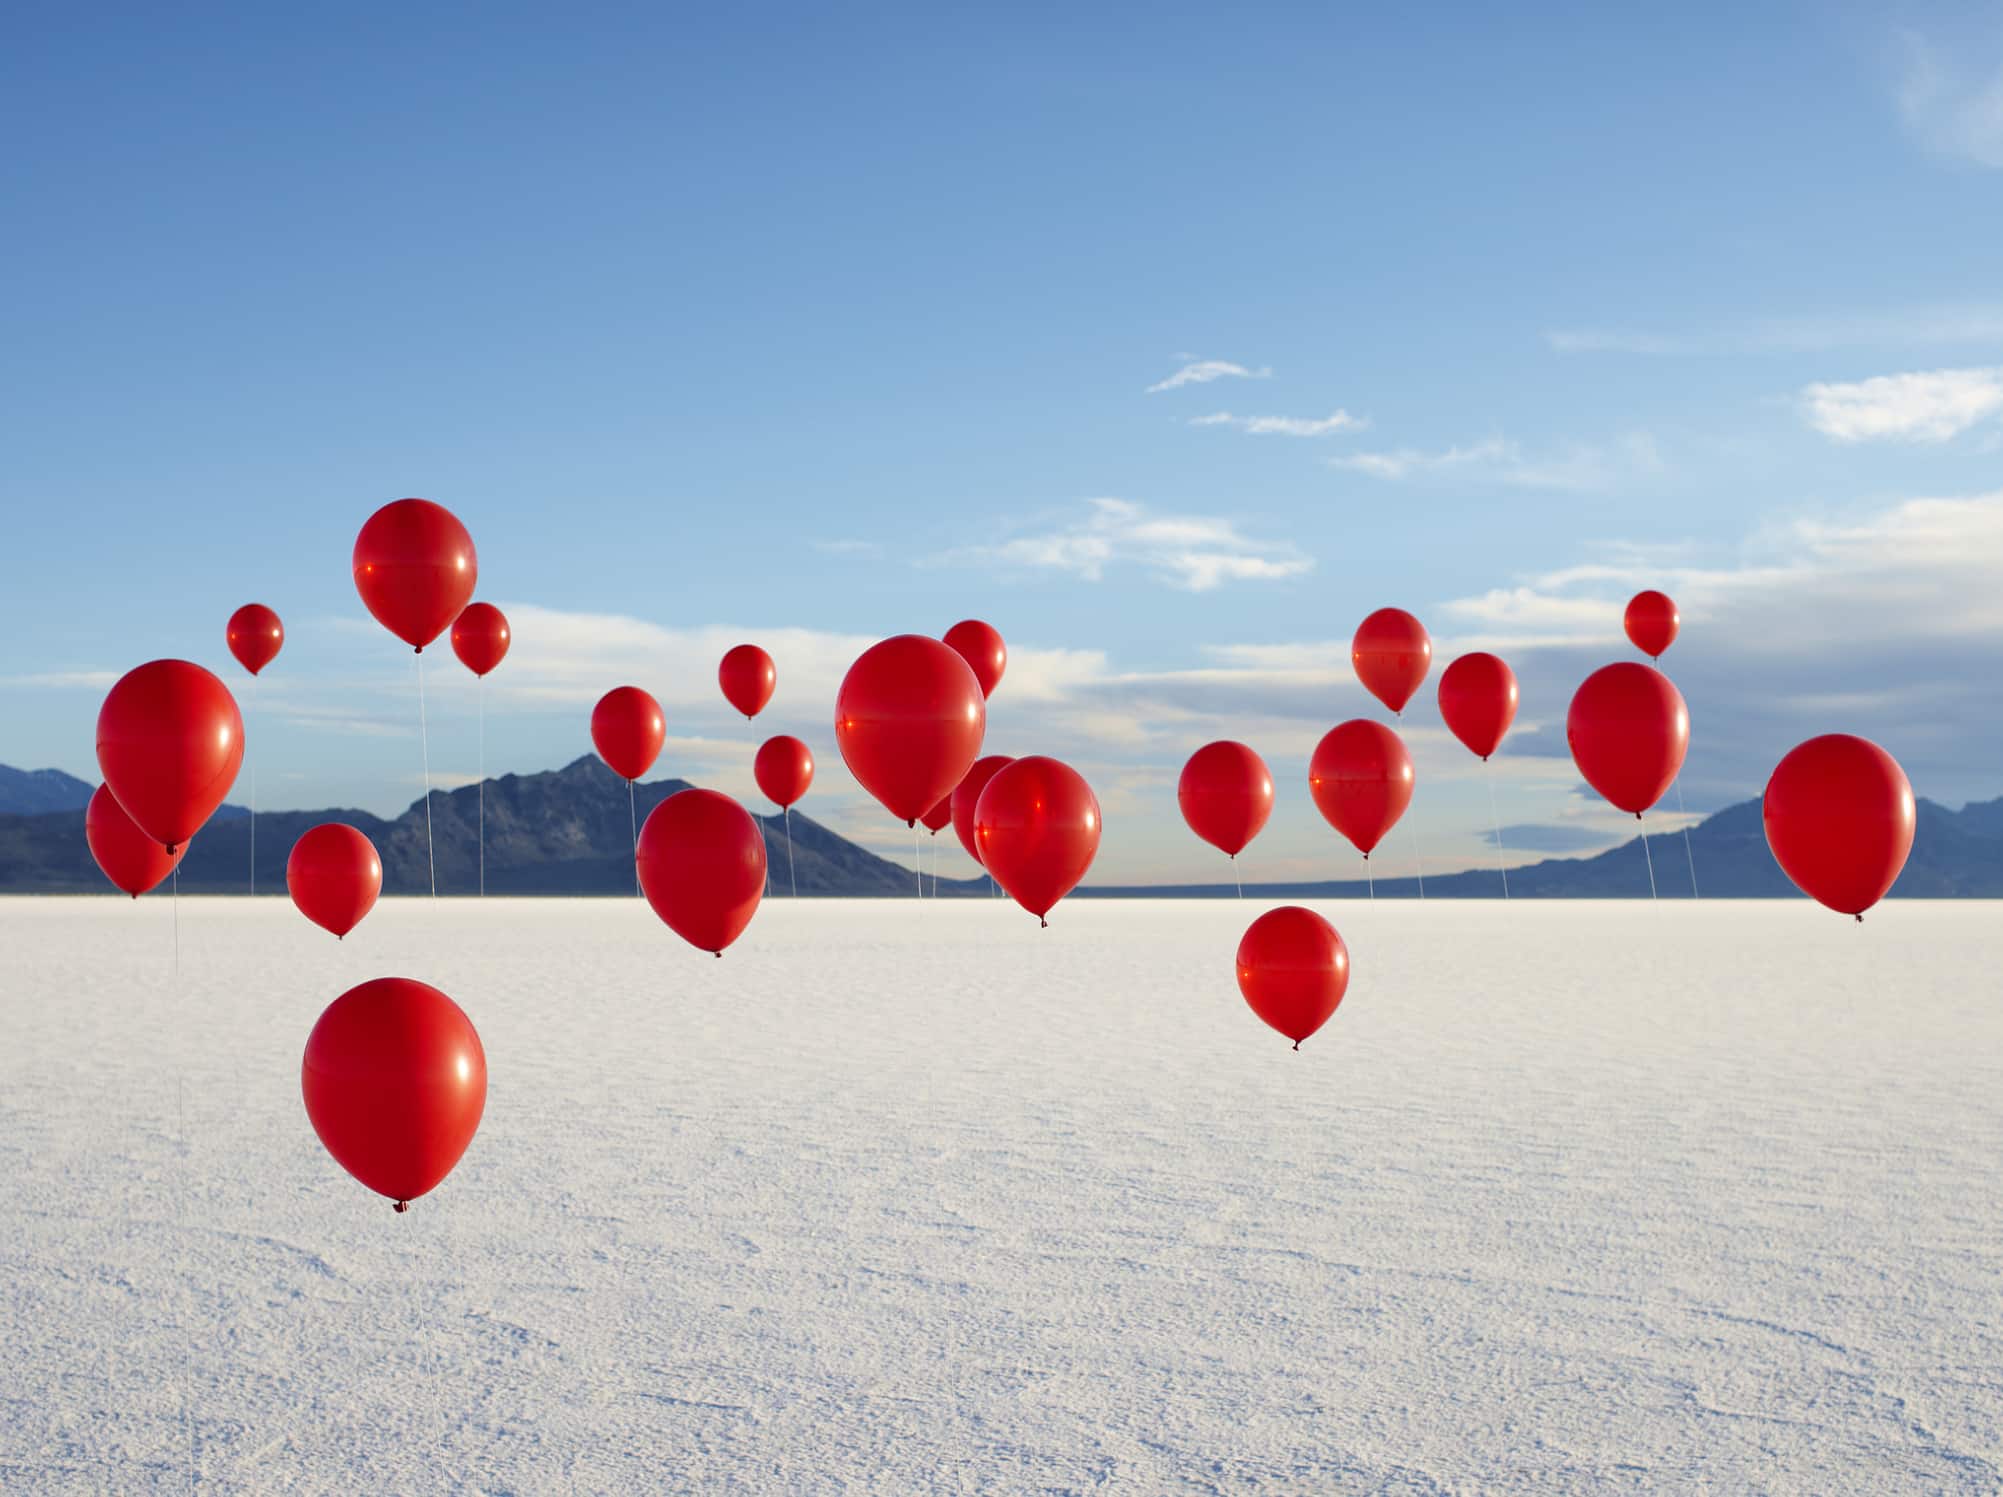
x=169 y=743
x=628 y=729
x=1391 y=654
x=909 y=719
x=1628 y=730
x=748 y=677
x=1652 y=622
x=784 y=768
x=1225 y=793
x=1037 y=825
x=480 y=637
x=415 y=567
x=981 y=646
x=1478 y=701
x=132 y=860
x=967 y=796
x=334 y=875
x=255 y=636
x=702 y=867
x=1361 y=780
x=395 y=1081
x=1293 y=970
x=1840 y=818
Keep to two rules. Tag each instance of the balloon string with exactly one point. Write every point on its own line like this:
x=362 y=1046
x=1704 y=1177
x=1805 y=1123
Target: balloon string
x=633 y=818
x=177 y=921
x=1501 y=867
x=1650 y=857
x=253 y=797
x=791 y=877
x=1688 y=856
x=918 y=859
x=480 y=696
x=1370 y=878
x=1412 y=840
x=424 y=741
x=1235 y=879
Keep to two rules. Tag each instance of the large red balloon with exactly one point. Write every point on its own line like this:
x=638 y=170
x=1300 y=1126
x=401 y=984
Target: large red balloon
x=939 y=817
x=980 y=645
x=480 y=637
x=1226 y=794
x=1391 y=655
x=130 y=859
x=1651 y=622
x=702 y=867
x=627 y=729
x=1361 y=780
x=784 y=769
x=1840 y=818
x=967 y=796
x=334 y=876
x=909 y=719
x=255 y=636
x=747 y=677
x=1037 y=826
x=415 y=568
x=1293 y=969
x=1478 y=701
x=1628 y=730
x=395 y=1081
x=169 y=741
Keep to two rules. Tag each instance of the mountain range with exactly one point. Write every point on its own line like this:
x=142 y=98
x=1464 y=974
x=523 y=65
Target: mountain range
x=560 y=832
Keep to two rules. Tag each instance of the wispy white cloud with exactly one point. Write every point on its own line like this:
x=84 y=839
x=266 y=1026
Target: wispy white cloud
x=1203 y=371
x=1930 y=406
x=1575 y=467
x=93 y=680
x=1951 y=108
x=1194 y=552
x=1908 y=327
x=1285 y=426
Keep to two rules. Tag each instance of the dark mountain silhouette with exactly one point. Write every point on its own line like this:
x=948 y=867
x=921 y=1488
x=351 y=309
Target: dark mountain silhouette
x=33 y=792
x=567 y=832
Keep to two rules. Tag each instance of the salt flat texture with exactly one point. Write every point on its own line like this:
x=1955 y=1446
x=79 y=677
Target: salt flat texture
x=903 y=1197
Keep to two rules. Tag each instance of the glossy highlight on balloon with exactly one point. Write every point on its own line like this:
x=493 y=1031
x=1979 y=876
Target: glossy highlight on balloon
x=1225 y=794
x=1037 y=825
x=967 y=797
x=1361 y=780
x=981 y=646
x=1478 y=699
x=255 y=636
x=1391 y=654
x=395 y=1081
x=1293 y=970
x=909 y=720
x=169 y=744
x=1840 y=817
x=1628 y=731
x=334 y=876
x=628 y=729
x=748 y=678
x=415 y=569
x=133 y=861
x=784 y=769
x=480 y=637
x=1651 y=622
x=702 y=867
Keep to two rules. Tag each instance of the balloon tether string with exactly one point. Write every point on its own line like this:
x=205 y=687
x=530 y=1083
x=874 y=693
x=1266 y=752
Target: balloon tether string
x=253 y=797
x=918 y=860
x=480 y=696
x=1650 y=857
x=177 y=922
x=1494 y=816
x=1236 y=880
x=633 y=820
x=792 y=878
x=1412 y=837
x=1688 y=856
x=424 y=740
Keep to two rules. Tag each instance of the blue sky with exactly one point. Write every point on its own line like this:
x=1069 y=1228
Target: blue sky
x=812 y=328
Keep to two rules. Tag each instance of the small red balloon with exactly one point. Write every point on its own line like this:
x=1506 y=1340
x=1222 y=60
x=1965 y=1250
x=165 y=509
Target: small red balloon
x=702 y=867
x=1391 y=655
x=967 y=796
x=627 y=729
x=1628 y=730
x=334 y=876
x=909 y=719
x=1037 y=825
x=1225 y=794
x=1651 y=622
x=1293 y=970
x=1361 y=780
x=1840 y=818
x=169 y=743
x=747 y=677
x=1478 y=700
x=784 y=769
x=132 y=860
x=395 y=1081
x=480 y=637
x=415 y=568
x=939 y=817
x=255 y=636
x=980 y=645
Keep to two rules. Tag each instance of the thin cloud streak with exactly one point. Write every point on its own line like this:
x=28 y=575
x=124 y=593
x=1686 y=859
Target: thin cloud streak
x=1285 y=426
x=1205 y=371
x=1195 y=553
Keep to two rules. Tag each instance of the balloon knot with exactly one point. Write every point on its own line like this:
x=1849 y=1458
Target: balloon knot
x=1860 y=919
x=1041 y=923
x=172 y=848
x=401 y=1207
x=1637 y=816
x=417 y=649
x=911 y=821
x=1297 y=1044
x=717 y=954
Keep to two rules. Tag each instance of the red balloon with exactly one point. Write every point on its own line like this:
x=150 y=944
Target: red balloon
x=1037 y=826
x=747 y=677
x=255 y=636
x=702 y=867
x=169 y=741
x=480 y=637
x=1391 y=655
x=1226 y=794
x=980 y=645
x=415 y=568
x=939 y=817
x=1293 y=970
x=1628 y=730
x=967 y=796
x=1840 y=818
x=334 y=876
x=1478 y=701
x=909 y=719
x=130 y=859
x=627 y=729
x=395 y=1081
x=1361 y=780
x=784 y=769
x=1651 y=622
